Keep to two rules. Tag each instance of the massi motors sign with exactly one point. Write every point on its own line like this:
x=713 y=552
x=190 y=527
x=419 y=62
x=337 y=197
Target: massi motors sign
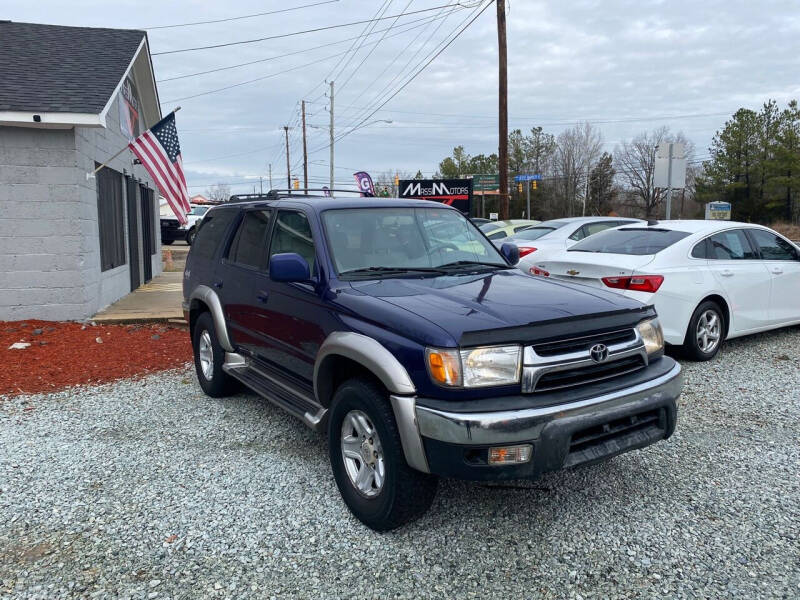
x=453 y=192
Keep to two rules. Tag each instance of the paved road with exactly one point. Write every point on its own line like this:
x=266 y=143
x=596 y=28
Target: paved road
x=146 y=488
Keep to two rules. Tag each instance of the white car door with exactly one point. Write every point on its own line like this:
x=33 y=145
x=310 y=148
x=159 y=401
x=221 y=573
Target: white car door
x=736 y=268
x=782 y=261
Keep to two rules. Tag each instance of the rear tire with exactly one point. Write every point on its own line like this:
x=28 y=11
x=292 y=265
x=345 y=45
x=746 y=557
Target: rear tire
x=705 y=333
x=190 y=236
x=209 y=357
x=391 y=493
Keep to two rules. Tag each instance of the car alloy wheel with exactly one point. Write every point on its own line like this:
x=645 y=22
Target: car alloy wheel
x=205 y=351
x=709 y=331
x=362 y=454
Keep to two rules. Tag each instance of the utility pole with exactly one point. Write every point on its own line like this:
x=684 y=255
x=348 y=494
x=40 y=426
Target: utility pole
x=669 y=183
x=270 y=175
x=261 y=184
x=503 y=106
x=288 y=168
x=331 y=132
x=528 y=199
x=586 y=191
x=305 y=151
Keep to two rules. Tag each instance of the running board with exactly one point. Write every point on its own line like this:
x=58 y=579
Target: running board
x=281 y=394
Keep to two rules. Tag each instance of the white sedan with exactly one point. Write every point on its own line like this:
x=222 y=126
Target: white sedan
x=709 y=280
x=541 y=241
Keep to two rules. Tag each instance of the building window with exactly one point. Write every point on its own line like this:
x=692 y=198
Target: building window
x=110 y=218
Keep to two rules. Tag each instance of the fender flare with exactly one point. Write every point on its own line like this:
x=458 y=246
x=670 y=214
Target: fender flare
x=369 y=353
x=208 y=296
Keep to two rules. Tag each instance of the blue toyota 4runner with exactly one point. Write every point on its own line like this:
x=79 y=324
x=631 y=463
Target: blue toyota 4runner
x=400 y=330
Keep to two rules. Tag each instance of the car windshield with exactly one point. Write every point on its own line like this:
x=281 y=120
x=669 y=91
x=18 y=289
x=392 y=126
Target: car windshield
x=198 y=210
x=635 y=241
x=406 y=241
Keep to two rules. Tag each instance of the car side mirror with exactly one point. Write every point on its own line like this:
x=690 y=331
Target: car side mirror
x=289 y=267
x=510 y=252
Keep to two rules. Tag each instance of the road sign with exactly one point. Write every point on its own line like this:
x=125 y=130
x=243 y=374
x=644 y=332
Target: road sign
x=670 y=168
x=718 y=211
x=518 y=178
x=486 y=182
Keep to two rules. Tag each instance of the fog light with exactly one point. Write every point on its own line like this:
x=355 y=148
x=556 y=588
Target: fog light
x=510 y=455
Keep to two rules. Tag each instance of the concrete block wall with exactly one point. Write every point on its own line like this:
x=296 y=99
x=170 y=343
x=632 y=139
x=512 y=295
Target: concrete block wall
x=42 y=245
x=49 y=237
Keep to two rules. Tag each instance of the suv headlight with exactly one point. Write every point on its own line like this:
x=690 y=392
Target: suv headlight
x=652 y=336
x=474 y=367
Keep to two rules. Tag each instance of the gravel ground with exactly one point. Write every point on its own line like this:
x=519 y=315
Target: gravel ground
x=148 y=489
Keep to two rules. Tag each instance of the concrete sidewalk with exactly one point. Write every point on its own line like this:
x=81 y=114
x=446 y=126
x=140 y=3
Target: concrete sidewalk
x=158 y=300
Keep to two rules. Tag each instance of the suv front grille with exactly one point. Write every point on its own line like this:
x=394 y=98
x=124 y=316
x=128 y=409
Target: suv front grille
x=556 y=380
x=584 y=343
x=568 y=363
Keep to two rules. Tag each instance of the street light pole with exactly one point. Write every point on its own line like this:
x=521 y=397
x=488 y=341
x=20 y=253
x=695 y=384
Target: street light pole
x=503 y=107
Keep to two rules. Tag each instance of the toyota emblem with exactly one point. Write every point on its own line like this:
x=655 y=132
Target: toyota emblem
x=599 y=353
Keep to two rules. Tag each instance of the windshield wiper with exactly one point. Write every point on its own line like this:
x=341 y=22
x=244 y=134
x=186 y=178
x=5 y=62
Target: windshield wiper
x=471 y=263
x=392 y=270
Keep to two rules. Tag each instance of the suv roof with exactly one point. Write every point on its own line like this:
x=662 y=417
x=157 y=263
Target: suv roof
x=322 y=202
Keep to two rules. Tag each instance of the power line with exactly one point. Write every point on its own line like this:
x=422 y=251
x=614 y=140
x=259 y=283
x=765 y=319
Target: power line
x=284 y=35
x=427 y=20
x=415 y=75
x=271 y=12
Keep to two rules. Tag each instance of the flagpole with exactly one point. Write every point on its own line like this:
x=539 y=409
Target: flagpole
x=105 y=164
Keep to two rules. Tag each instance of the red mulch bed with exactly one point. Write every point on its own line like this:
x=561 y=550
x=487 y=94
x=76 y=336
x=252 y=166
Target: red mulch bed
x=65 y=354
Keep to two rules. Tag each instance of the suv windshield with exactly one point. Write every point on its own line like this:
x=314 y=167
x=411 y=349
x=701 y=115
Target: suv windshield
x=637 y=241
x=406 y=240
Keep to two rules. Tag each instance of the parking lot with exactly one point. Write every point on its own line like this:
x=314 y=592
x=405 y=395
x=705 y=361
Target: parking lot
x=147 y=488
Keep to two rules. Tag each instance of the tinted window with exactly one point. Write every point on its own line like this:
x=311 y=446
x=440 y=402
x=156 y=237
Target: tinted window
x=211 y=233
x=729 y=245
x=699 y=251
x=487 y=227
x=772 y=247
x=520 y=228
x=293 y=234
x=251 y=239
x=497 y=236
x=533 y=233
x=629 y=241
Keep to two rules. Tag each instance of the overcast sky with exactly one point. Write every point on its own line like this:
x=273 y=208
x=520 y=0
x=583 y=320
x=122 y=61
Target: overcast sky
x=626 y=65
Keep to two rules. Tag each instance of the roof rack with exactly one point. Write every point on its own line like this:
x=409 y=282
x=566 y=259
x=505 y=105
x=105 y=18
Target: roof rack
x=277 y=193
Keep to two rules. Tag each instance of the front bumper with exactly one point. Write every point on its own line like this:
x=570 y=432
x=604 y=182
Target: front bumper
x=562 y=435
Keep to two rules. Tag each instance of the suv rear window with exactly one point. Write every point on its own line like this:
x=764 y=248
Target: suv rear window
x=635 y=241
x=212 y=231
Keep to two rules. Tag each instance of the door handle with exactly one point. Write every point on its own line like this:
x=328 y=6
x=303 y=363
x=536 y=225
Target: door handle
x=726 y=273
x=218 y=285
x=776 y=270
x=262 y=296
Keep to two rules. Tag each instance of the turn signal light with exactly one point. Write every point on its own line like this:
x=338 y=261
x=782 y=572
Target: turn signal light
x=538 y=271
x=510 y=455
x=525 y=251
x=635 y=283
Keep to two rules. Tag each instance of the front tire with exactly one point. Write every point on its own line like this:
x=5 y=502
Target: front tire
x=705 y=333
x=209 y=357
x=367 y=459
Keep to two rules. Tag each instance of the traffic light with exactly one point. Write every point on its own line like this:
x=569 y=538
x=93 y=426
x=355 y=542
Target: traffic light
x=535 y=184
x=396 y=180
x=296 y=184
x=519 y=188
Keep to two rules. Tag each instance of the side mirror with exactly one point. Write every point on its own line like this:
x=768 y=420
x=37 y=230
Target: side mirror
x=510 y=252
x=289 y=267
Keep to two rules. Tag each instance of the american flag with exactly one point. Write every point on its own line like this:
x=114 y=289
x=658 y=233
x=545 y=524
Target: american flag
x=160 y=152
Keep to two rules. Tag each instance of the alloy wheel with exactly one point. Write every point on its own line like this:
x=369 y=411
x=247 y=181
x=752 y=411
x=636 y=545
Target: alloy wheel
x=362 y=454
x=709 y=331
x=205 y=352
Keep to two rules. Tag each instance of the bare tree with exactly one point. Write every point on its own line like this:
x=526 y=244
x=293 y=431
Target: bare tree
x=577 y=149
x=219 y=192
x=636 y=166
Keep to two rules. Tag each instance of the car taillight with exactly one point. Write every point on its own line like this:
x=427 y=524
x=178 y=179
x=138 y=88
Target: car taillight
x=526 y=251
x=539 y=272
x=635 y=283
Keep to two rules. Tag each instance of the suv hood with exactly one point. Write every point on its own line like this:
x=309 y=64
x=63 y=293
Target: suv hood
x=505 y=299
